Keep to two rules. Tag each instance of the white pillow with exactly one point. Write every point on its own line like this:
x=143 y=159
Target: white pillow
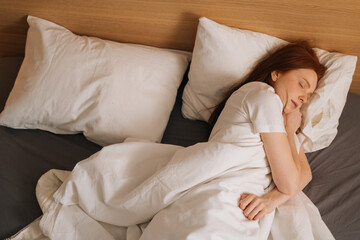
x=223 y=56
x=109 y=91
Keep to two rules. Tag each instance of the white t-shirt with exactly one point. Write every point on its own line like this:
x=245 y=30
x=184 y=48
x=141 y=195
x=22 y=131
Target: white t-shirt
x=253 y=109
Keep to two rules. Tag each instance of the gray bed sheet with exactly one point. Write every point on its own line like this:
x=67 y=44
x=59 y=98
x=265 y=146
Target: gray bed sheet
x=335 y=187
x=27 y=154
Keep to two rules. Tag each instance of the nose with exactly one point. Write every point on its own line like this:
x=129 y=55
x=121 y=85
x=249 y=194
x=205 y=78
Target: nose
x=303 y=98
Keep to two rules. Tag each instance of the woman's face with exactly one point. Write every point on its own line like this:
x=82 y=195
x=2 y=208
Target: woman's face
x=294 y=87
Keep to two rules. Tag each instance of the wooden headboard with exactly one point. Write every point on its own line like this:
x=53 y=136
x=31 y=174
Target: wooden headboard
x=333 y=25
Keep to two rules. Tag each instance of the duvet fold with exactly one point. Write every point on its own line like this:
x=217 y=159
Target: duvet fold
x=138 y=190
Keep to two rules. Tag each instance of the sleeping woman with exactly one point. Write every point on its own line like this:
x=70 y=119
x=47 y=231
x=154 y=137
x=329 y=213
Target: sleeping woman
x=289 y=77
x=226 y=188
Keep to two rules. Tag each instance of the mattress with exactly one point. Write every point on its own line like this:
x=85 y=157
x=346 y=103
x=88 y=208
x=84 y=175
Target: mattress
x=27 y=154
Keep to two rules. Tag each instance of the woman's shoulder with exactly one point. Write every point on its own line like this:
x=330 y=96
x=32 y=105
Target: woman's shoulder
x=256 y=87
x=259 y=93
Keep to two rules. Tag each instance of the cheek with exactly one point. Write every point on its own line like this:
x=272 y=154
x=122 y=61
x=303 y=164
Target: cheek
x=292 y=90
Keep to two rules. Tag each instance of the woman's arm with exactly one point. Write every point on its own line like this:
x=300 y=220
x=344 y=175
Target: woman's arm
x=255 y=207
x=281 y=153
x=284 y=162
x=306 y=175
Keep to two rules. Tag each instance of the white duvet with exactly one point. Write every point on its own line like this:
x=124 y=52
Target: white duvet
x=139 y=190
x=149 y=191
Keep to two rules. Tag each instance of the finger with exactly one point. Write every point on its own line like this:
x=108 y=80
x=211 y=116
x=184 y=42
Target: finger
x=244 y=195
x=249 y=208
x=261 y=214
x=255 y=211
x=245 y=201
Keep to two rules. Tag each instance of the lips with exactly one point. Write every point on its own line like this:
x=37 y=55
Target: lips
x=295 y=104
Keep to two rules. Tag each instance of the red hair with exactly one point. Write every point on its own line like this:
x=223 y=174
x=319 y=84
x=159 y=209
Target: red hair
x=292 y=56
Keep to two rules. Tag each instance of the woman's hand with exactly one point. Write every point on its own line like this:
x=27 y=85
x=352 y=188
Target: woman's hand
x=255 y=207
x=292 y=121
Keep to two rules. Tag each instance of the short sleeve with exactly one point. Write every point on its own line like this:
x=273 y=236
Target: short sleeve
x=264 y=109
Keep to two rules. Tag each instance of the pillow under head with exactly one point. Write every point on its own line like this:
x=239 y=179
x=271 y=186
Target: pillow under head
x=223 y=56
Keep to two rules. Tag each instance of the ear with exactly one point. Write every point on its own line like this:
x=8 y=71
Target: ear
x=274 y=75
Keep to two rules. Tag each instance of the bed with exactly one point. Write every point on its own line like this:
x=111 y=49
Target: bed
x=26 y=154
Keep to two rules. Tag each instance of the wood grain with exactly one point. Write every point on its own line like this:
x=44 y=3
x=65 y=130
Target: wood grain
x=332 y=25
